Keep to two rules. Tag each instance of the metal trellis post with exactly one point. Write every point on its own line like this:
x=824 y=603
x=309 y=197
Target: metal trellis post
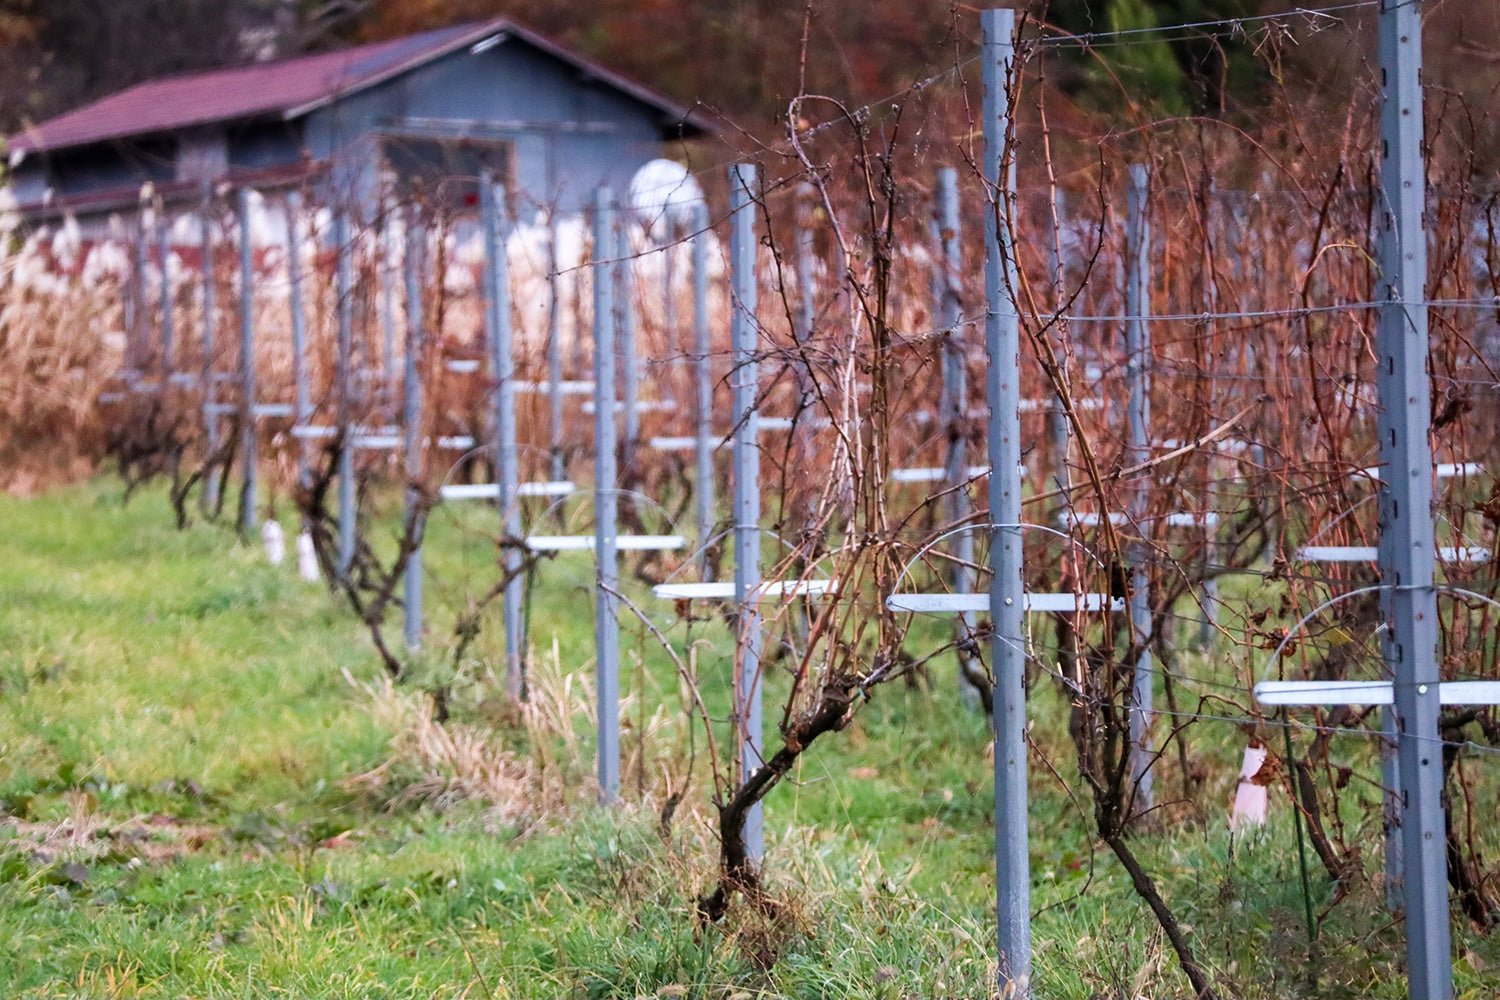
x=606 y=502
x=954 y=402
x=503 y=371
x=210 y=379
x=1138 y=371
x=1407 y=548
x=248 y=438
x=299 y=324
x=344 y=377
x=164 y=250
x=1003 y=389
x=703 y=484
x=411 y=266
x=386 y=280
x=136 y=319
x=1057 y=418
x=625 y=335
x=554 y=357
x=744 y=381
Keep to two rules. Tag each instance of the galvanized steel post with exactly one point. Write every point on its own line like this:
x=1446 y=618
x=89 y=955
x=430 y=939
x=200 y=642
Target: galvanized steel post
x=1057 y=418
x=299 y=324
x=210 y=378
x=411 y=266
x=1407 y=543
x=1138 y=372
x=503 y=371
x=1002 y=339
x=744 y=331
x=386 y=288
x=136 y=321
x=248 y=440
x=345 y=290
x=953 y=404
x=554 y=357
x=668 y=284
x=164 y=250
x=703 y=483
x=806 y=285
x=625 y=334
x=606 y=502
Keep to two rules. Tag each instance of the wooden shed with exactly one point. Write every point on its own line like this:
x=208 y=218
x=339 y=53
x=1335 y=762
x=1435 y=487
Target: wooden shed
x=429 y=110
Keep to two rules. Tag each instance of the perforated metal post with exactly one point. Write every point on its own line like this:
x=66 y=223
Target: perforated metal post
x=248 y=438
x=136 y=321
x=1138 y=372
x=299 y=324
x=554 y=358
x=1407 y=544
x=806 y=289
x=954 y=402
x=411 y=267
x=1208 y=626
x=606 y=502
x=386 y=280
x=744 y=380
x=625 y=335
x=669 y=283
x=344 y=377
x=210 y=328
x=703 y=484
x=164 y=251
x=1057 y=419
x=1003 y=390
x=503 y=370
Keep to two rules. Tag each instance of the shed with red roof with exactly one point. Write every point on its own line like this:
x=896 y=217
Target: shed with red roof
x=429 y=110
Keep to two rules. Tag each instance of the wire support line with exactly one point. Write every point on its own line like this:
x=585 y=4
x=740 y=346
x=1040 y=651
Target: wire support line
x=914 y=337
x=1291 y=312
x=1231 y=26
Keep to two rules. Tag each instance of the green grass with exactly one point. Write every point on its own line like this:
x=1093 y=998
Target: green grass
x=179 y=749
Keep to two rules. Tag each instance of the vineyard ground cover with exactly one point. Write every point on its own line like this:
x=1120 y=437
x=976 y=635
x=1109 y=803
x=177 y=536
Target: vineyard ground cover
x=208 y=790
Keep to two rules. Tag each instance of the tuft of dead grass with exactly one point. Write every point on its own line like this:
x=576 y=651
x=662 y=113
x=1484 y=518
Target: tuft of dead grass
x=60 y=342
x=533 y=765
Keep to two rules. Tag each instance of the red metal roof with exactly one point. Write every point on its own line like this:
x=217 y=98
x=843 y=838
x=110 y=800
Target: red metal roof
x=292 y=87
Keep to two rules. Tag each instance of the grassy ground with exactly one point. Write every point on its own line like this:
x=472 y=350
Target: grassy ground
x=208 y=790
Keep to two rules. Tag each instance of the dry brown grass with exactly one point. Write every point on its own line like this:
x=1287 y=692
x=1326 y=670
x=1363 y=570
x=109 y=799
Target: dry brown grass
x=536 y=766
x=59 y=345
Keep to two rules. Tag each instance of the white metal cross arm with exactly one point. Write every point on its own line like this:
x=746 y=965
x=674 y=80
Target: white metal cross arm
x=1183 y=519
x=681 y=443
x=1370 y=692
x=491 y=491
x=1369 y=553
x=1336 y=553
x=390 y=442
x=934 y=474
x=273 y=410
x=953 y=604
x=624 y=543
x=641 y=406
x=723 y=590
x=1443 y=470
x=329 y=431
x=1344 y=692
x=567 y=387
x=979 y=603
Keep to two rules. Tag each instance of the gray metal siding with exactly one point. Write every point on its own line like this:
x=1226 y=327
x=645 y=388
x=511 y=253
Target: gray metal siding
x=260 y=145
x=570 y=134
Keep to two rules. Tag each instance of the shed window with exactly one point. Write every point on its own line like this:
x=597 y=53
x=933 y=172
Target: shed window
x=445 y=173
